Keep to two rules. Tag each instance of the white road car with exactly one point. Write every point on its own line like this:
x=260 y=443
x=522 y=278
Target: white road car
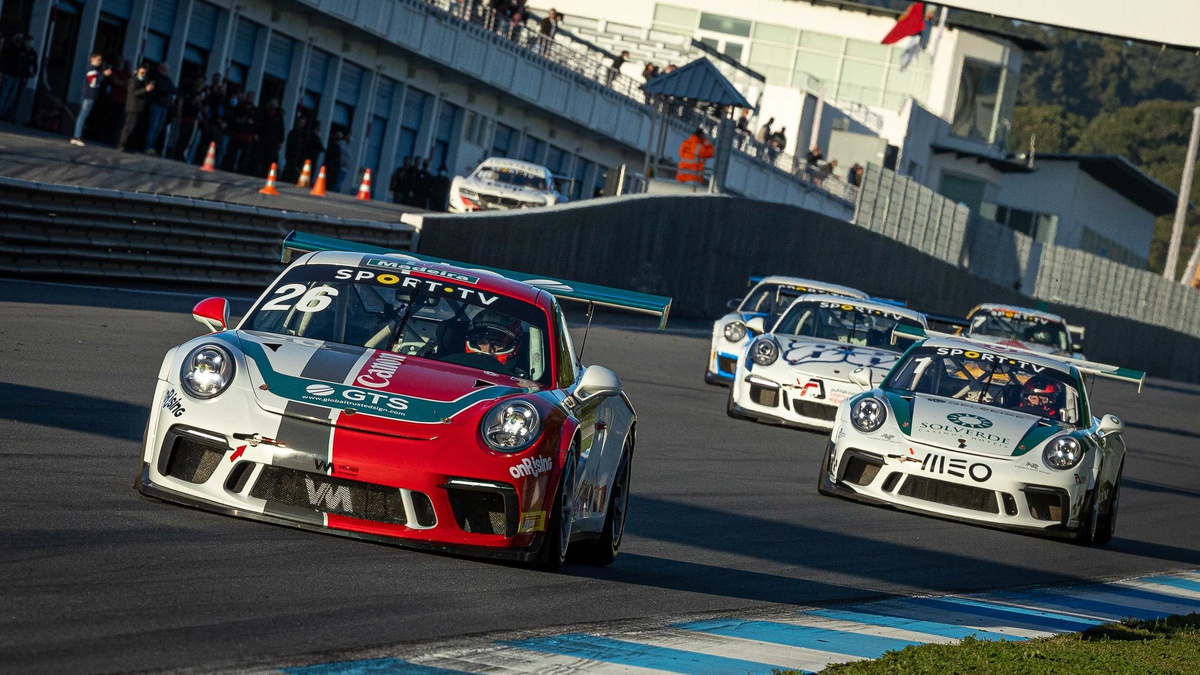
x=1024 y=328
x=798 y=374
x=767 y=299
x=986 y=434
x=500 y=183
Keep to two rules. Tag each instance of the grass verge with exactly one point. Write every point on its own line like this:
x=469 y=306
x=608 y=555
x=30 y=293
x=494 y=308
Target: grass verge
x=1170 y=645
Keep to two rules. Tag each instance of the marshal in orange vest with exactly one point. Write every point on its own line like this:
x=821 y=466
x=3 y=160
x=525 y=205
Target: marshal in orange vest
x=692 y=153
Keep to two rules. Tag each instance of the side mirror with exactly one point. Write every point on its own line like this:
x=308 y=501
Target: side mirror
x=597 y=381
x=862 y=377
x=1109 y=425
x=213 y=313
x=756 y=325
x=733 y=304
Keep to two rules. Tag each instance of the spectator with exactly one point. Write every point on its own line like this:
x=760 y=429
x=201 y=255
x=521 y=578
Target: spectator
x=217 y=117
x=549 y=25
x=815 y=156
x=399 y=183
x=242 y=131
x=777 y=142
x=114 y=102
x=854 y=176
x=671 y=67
x=333 y=161
x=18 y=62
x=343 y=154
x=270 y=135
x=293 y=161
x=616 y=67
x=649 y=72
x=312 y=147
x=422 y=184
x=191 y=111
x=829 y=168
x=96 y=73
x=158 y=105
x=743 y=123
x=764 y=132
x=137 y=90
x=441 y=190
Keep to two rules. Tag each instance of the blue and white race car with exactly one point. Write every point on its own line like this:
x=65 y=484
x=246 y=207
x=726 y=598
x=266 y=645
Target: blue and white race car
x=798 y=373
x=767 y=299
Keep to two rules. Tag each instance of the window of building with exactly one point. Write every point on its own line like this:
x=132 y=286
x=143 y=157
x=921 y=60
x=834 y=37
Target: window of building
x=532 y=152
x=449 y=117
x=820 y=66
x=676 y=16
x=503 y=141
x=556 y=160
x=410 y=123
x=768 y=32
x=978 y=96
x=962 y=189
x=580 y=174
x=1042 y=227
x=724 y=24
x=820 y=42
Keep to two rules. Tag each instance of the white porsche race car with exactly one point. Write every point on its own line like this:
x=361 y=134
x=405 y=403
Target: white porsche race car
x=797 y=374
x=1024 y=328
x=500 y=183
x=982 y=433
x=767 y=299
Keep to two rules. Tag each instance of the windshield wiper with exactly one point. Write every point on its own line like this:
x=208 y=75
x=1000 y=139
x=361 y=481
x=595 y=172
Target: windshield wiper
x=408 y=311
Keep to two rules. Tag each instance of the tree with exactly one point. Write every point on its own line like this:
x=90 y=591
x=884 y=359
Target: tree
x=1052 y=128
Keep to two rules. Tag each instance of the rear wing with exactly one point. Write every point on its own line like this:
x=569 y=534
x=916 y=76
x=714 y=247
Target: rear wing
x=1087 y=367
x=300 y=243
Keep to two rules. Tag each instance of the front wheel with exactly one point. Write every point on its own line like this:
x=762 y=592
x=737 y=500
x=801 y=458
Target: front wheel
x=604 y=550
x=1101 y=519
x=558 y=533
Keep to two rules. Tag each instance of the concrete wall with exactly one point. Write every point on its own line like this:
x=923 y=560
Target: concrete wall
x=700 y=250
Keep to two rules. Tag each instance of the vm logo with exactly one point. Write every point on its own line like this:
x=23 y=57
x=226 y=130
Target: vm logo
x=335 y=498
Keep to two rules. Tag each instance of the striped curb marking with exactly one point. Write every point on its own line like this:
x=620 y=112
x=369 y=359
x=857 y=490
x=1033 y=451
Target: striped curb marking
x=805 y=639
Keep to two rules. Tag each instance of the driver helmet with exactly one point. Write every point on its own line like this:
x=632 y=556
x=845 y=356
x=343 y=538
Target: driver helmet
x=1040 y=392
x=494 y=334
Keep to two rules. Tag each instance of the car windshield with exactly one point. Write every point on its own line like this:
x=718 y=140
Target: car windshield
x=996 y=380
x=430 y=314
x=510 y=176
x=1024 y=327
x=773 y=299
x=840 y=322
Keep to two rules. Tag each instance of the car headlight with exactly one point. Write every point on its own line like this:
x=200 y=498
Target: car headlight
x=207 y=371
x=764 y=352
x=735 y=331
x=511 y=426
x=1063 y=453
x=469 y=194
x=868 y=414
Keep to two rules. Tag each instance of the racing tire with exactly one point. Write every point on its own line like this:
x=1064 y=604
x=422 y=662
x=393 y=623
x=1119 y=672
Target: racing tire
x=729 y=408
x=1102 y=522
x=824 y=472
x=603 y=550
x=557 y=542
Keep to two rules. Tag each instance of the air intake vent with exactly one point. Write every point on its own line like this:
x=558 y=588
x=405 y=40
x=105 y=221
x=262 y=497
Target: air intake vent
x=194 y=460
x=326 y=494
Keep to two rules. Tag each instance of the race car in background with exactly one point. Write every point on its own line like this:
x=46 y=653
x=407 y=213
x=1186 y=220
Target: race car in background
x=1024 y=328
x=798 y=373
x=404 y=399
x=499 y=183
x=982 y=433
x=767 y=299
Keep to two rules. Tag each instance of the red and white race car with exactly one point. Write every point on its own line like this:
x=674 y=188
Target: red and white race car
x=398 y=398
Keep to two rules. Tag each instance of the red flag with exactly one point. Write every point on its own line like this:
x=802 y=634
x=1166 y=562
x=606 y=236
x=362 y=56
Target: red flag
x=911 y=22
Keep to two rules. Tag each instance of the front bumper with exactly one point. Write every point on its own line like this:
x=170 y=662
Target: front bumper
x=765 y=400
x=427 y=494
x=1005 y=493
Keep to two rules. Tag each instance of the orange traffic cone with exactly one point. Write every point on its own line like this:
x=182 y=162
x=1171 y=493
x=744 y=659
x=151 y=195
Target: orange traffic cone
x=269 y=188
x=210 y=160
x=305 y=174
x=319 y=186
x=364 y=190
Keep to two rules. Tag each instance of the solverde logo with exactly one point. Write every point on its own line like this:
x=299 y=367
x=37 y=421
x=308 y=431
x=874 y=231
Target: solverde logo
x=969 y=421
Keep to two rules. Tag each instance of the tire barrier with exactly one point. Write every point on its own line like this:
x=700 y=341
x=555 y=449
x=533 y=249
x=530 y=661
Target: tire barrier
x=80 y=234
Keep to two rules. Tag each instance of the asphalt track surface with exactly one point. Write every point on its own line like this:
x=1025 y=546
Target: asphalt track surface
x=724 y=515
